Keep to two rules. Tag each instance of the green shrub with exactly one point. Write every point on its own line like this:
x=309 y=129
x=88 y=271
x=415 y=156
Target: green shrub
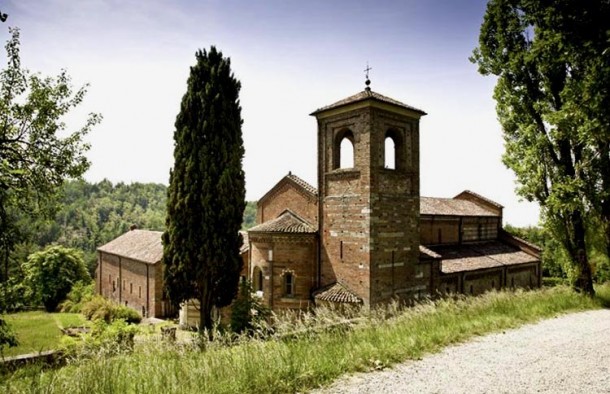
x=126 y=313
x=80 y=294
x=103 y=340
x=100 y=308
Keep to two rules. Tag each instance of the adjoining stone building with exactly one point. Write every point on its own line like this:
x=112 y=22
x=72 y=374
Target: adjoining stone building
x=129 y=272
x=365 y=235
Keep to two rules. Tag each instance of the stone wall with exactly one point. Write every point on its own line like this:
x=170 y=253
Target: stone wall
x=132 y=283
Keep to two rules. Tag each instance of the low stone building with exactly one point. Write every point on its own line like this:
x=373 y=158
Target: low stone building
x=129 y=272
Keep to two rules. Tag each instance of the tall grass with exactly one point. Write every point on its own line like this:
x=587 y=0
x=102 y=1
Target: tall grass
x=304 y=353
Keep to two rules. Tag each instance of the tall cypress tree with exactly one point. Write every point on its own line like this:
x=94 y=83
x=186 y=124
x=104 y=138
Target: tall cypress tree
x=206 y=195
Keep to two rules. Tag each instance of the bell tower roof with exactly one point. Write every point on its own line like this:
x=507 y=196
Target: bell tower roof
x=367 y=96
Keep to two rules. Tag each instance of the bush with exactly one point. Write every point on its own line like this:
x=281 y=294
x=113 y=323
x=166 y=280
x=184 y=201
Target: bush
x=127 y=314
x=103 y=340
x=99 y=308
x=80 y=294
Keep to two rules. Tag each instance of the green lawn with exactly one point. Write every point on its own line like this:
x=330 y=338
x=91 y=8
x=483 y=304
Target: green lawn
x=37 y=331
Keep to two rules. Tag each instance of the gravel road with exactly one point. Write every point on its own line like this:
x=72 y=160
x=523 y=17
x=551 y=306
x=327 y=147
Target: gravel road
x=567 y=354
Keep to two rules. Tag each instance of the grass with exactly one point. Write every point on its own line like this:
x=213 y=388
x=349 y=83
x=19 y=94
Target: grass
x=38 y=331
x=378 y=339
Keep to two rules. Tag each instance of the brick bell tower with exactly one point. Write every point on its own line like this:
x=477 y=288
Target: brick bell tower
x=369 y=209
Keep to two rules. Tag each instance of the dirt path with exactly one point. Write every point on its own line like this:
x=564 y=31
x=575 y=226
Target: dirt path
x=568 y=354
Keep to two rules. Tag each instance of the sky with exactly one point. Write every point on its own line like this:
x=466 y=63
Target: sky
x=291 y=58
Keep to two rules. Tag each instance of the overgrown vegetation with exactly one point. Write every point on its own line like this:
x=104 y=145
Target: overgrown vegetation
x=37 y=331
x=304 y=353
x=101 y=308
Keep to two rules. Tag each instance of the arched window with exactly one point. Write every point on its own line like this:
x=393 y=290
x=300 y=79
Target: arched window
x=288 y=284
x=347 y=154
x=390 y=153
x=343 y=150
x=393 y=150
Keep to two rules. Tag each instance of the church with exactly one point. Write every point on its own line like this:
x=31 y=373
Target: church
x=363 y=236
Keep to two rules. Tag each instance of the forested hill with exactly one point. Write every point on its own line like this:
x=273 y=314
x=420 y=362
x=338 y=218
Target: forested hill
x=92 y=214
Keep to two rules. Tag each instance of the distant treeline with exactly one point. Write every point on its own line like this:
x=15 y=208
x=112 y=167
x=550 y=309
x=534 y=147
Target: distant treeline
x=92 y=214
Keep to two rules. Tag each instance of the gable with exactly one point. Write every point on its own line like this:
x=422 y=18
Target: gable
x=290 y=193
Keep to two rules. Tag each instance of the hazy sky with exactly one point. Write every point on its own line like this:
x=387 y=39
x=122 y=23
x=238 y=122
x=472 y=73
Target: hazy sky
x=291 y=57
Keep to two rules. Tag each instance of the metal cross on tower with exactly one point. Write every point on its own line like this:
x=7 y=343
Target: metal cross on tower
x=368 y=81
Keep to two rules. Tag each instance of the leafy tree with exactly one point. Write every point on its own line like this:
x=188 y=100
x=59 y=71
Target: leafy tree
x=206 y=193
x=247 y=311
x=249 y=215
x=554 y=140
x=51 y=273
x=34 y=156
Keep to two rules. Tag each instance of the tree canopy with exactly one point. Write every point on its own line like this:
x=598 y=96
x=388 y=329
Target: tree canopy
x=36 y=152
x=51 y=273
x=207 y=189
x=552 y=62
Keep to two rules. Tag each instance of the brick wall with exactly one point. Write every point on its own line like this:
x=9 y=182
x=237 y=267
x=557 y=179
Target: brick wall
x=287 y=196
x=291 y=254
x=132 y=283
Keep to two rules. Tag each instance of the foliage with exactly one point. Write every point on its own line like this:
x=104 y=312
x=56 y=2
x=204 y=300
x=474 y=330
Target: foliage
x=81 y=293
x=555 y=262
x=100 y=308
x=51 y=273
x=548 y=58
x=247 y=312
x=104 y=340
x=249 y=219
x=365 y=342
x=205 y=202
x=7 y=337
x=38 y=331
x=36 y=154
x=14 y=296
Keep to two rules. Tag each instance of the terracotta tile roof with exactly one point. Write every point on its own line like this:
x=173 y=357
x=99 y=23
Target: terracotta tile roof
x=287 y=222
x=471 y=257
x=452 y=207
x=366 y=95
x=302 y=183
x=480 y=197
x=307 y=189
x=140 y=245
x=337 y=293
x=427 y=253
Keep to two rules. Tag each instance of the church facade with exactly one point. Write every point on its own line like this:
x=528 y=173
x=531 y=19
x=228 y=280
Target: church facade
x=365 y=235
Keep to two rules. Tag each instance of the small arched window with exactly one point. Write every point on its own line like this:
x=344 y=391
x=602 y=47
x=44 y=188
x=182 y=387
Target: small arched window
x=393 y=150
x=343 y=150
x=390 y=153
x=347 y=154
